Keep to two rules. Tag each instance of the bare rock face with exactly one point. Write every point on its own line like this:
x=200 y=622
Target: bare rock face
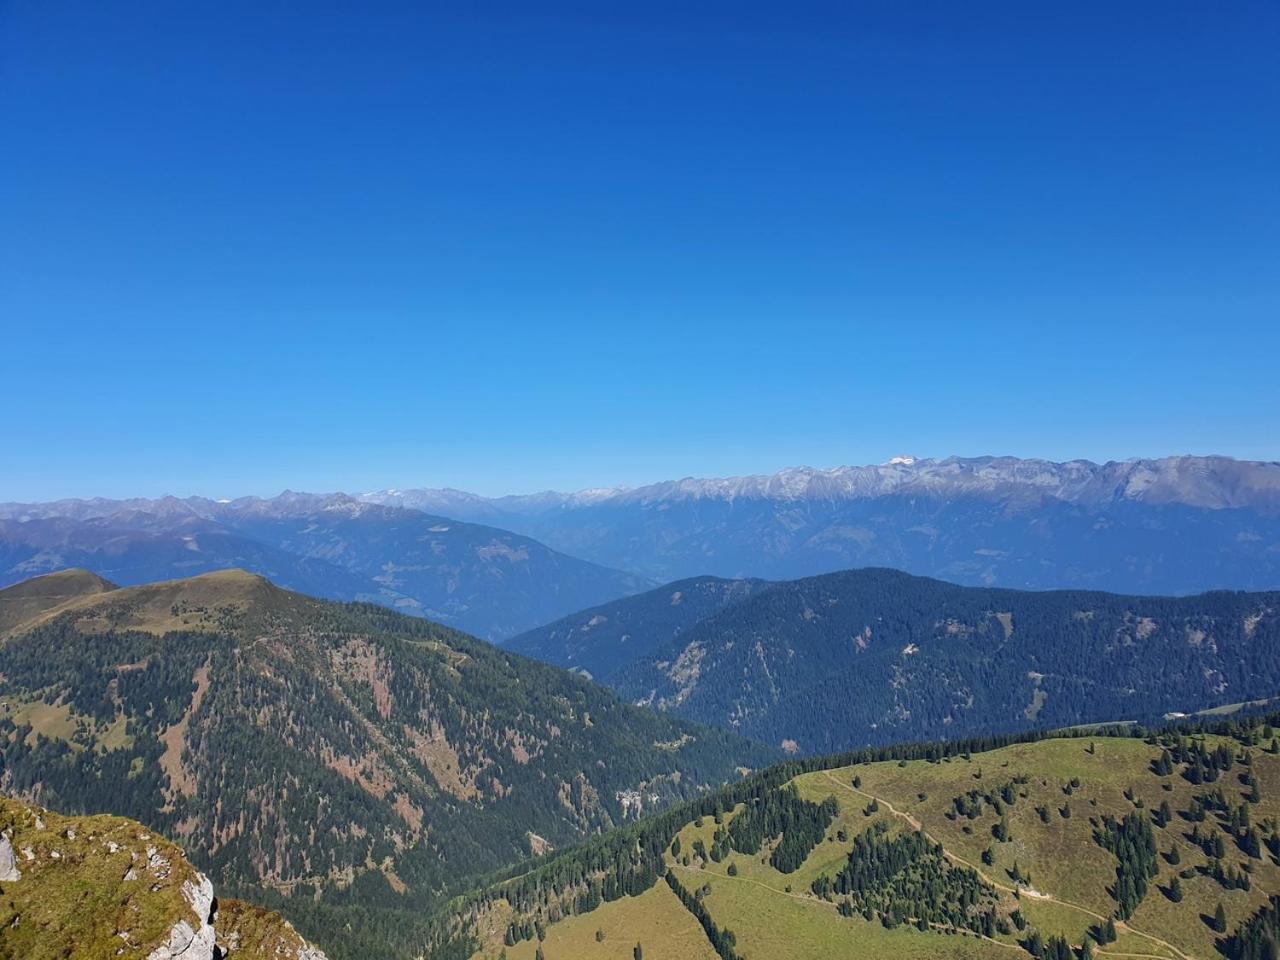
x=187 y=942
x=8 y=862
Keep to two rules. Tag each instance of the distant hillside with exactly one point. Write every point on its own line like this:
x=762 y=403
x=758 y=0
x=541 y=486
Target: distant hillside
x=489 y=581
x=105 y=886
x=39 y=596
x=343 y=752
x=1176 y=525
x=873 y=656
x=604 y=639
x=1066 y=847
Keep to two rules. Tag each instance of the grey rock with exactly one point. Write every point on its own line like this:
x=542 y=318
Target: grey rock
x=8 y=862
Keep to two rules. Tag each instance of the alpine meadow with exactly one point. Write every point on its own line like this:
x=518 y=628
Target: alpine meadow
x=639 y=481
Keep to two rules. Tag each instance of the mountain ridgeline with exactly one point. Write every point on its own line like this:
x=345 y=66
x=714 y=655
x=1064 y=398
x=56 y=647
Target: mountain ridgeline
x=497 y=567
x=874 y=656
x=1170 y=526
x=334 y=752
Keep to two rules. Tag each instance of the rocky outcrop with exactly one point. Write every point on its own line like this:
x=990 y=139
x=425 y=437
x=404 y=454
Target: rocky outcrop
x=8 y=862
x=105 y=886
x=246 y=932
x=187 y=942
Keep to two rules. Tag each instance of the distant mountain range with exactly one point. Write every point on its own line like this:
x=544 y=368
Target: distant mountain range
x=1175 y=525
x=876 y=656
x=488 y=581
x=501 y=566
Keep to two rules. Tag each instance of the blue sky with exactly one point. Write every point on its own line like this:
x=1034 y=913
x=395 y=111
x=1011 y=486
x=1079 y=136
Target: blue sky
x=317 y=245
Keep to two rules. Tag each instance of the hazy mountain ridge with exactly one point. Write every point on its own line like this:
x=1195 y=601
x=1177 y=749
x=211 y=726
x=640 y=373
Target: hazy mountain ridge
x=1173 y=525
x=1212 y=482
x=488 y=580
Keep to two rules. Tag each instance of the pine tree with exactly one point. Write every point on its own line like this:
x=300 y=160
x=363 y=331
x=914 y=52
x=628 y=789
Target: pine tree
x=1035 y=946
x=1220 y=919
x=1108 y=932
x=1251 y=844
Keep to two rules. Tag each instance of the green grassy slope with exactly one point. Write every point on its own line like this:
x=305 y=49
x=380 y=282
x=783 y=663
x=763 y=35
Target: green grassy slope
x=1022 y=827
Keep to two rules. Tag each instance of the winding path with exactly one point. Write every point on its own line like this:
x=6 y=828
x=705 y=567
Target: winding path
x=818 y=901
x=1025 y=891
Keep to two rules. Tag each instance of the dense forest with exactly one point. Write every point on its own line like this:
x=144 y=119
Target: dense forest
x=874 y=656
x=602 y=640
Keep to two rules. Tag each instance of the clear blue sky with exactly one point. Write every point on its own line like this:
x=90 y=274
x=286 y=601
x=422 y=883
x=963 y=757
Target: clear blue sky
x=248 y=245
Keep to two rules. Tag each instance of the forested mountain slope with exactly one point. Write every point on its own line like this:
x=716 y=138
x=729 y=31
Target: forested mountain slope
x=604 y=639
x=314 y=748
x=102 y=886
x=874 y=656
x=1097 y=843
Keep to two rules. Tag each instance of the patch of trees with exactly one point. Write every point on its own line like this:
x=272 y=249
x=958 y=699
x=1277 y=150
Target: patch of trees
x=1133 y=843
x=906 y=878
x=1054 y=948
x=1257 y=938
x=800 y=823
